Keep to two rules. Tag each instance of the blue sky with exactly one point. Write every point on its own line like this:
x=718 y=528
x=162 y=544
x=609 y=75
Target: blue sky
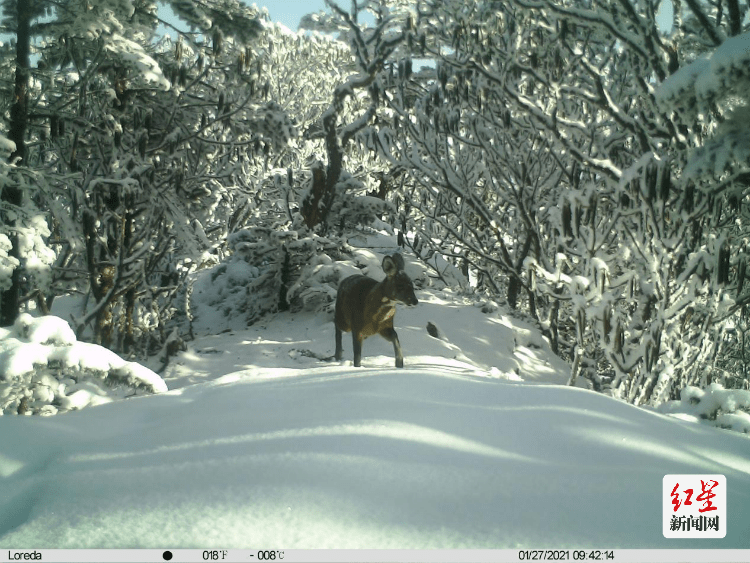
x=289 y=12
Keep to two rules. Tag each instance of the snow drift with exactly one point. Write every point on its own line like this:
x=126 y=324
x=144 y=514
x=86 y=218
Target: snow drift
x=335 y=457
x=476 y=443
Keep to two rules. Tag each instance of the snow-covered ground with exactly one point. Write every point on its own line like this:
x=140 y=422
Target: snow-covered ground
x=476 y=443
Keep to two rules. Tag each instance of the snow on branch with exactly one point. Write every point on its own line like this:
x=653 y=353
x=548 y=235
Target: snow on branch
x=718 y=81
x=709 y=77
x=45 y=370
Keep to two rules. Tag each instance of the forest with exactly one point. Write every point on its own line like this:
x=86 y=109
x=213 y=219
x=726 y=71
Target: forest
x=584 y=163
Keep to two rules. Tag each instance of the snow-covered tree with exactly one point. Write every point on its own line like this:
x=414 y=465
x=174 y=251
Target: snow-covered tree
x=135 y=139
x=18 y=19
x=642 y=261
x=271 y=235
x=708 y=99
x=353 y=106
x=536 y=155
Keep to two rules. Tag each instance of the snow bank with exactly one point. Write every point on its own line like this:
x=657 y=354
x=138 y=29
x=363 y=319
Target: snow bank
x=716 y=406
x=341 y=457
x=44 y=370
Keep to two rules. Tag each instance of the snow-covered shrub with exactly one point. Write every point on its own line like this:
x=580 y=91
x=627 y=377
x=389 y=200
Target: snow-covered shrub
x=36 y=255
x=316 y=287
x=315 y=290
x=714 y=405
x=352 y=208
x=256 y=277
x=242 y=283
x=28 y=226
x=45 y=370
x=270 y=271
x=7 y=263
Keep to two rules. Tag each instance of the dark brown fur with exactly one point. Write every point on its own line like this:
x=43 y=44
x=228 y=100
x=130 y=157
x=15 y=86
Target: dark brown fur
x=365 y=307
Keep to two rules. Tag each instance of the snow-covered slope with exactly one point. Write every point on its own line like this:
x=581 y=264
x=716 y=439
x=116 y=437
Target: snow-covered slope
x=260 y=443
x=490 y=344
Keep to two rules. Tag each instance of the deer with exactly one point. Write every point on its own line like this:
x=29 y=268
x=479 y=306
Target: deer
x=366 y=307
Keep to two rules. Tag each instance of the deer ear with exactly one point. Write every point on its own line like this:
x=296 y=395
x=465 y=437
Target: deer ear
x=389 y=266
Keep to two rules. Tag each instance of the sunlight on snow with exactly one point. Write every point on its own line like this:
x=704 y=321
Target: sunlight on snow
x=375 y=428
x=9 y=466
x=728 y=459
x=639 y=443
x=559 y=409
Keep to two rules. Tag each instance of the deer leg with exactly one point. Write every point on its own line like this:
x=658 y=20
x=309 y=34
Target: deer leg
x=390 y=335
x=357 y=345
x=339 y=348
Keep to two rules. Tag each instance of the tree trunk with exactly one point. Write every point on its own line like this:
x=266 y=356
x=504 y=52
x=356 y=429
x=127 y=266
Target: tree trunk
x=11 y=194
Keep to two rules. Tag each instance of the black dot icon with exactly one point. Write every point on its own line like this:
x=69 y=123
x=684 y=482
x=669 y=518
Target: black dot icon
x=167 y=555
